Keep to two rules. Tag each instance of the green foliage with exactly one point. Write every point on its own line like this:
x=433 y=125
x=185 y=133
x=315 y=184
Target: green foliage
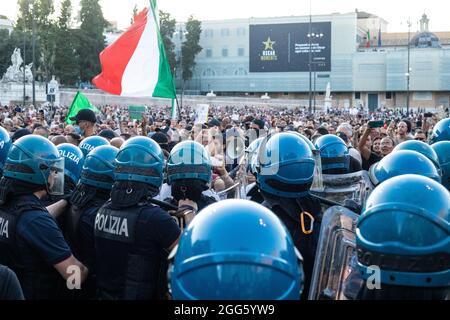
x=91 y=39
x=191 y=47
x=167 y=29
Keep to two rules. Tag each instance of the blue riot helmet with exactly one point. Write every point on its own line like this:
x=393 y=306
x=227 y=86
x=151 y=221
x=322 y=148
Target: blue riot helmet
x=441 y=131
x=420 y=147
x=333 y=153
x=405 y=231
x=442 y=149
x=74 y=160
x=400 y=163
x=189 y=160
x=285 y=166
x=89 y=144
x=212 y=263
x=98 y=168
x=5 y=144
x=140 y=159
x=35 y=160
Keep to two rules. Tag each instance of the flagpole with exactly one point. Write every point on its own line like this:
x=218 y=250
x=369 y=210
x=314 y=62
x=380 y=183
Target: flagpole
x=179 y=109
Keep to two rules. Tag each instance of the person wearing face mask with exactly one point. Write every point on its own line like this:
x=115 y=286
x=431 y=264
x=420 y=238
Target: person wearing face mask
x=85 y=123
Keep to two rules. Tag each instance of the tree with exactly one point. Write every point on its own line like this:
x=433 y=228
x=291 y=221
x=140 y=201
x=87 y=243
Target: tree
x=24 y=17
x=167 y=29
x=191 y=47
x=134 y=14
x=91 y=39
x=6 y=49
x=46 y=32
x=66 y=58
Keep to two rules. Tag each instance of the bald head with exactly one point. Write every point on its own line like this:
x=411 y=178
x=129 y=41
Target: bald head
x=117 y=142
x=57 y=140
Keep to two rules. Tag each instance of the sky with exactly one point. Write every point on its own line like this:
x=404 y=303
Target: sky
x=396 y=12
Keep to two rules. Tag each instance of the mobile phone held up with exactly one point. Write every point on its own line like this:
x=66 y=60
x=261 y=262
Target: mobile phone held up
x=376 y=124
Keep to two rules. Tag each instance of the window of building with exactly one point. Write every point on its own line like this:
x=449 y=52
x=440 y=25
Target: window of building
x=209 y=33
x=225 y=32
x=240 y=72
x=240 y=31
x=224 y=52
x=224 y=72
x=357 y=95
x=209 y=72
x=241 y=52
x=388 y=95
x=208 y=53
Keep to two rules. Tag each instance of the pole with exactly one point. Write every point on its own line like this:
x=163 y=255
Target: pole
x=310 y=57
x=181 y=65
x=24 y=57
x=408 y=74
x=314 y=92
x=33 y=53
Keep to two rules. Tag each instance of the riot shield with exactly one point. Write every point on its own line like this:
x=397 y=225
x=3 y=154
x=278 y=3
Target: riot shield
x=341 y=187
x=368 y=187
x=335 y=274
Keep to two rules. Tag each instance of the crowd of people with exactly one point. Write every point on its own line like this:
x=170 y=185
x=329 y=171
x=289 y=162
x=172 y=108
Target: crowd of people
x=113 y=197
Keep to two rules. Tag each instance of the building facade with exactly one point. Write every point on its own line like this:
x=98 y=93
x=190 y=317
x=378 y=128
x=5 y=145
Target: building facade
x=367 y=66
x=5 y=23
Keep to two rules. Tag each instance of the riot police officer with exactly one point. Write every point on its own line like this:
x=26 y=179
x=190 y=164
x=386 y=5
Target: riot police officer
x=213 y=263
x=343 y=179
x=442 y=150
x=400 y=163
x=441 y=131
x=73 y=164
x=92 y=192
x=285 y=175
x=404 y=232
x=335 y=156
x=5 y=144
x=189 y=174
x=30 y=240
x=133 y=237
x=422 y=148
x=89 y=144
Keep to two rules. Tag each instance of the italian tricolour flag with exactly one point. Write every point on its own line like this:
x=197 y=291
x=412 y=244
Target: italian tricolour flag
x=135 y=65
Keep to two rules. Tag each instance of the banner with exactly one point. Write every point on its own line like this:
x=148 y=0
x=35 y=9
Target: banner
x=285 y=47
x=201 y=113
x=136 y=112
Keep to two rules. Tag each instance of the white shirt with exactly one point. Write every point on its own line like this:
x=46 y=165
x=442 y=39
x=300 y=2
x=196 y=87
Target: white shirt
x=166 y=192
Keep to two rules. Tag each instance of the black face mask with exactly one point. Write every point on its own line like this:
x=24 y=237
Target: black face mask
x=11 y=187
x=126 y=194
x=191 y=189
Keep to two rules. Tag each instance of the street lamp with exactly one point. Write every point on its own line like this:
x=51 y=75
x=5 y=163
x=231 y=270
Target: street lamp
x=310 y=56
x=181 y=33
x=316 y=36
x=33 y=37
x=408 y=74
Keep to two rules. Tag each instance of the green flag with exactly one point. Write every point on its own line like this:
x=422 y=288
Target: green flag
x=80 y=102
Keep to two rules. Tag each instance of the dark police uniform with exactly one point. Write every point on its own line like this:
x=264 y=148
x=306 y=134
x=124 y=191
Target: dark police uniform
x=9 y=285
x=289 y=211
x=80 y=235
x=31 y=244
x=131 y=248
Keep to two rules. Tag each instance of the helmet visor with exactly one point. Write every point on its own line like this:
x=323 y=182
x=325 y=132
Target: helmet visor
x=55 y=180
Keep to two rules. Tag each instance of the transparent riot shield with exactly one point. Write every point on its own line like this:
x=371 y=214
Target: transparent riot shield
x=341 y=187
x=368 y=187
x=335 y=275
x=318 y=178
